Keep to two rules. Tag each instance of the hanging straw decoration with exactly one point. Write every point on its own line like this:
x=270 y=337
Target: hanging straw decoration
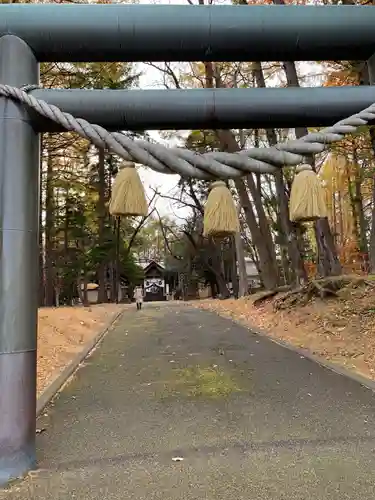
x=307 y=201
x=220 y=214
x=128 y=196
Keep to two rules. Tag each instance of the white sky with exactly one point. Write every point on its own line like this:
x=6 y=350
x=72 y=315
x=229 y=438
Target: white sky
x=163 y=183
x=152 y=79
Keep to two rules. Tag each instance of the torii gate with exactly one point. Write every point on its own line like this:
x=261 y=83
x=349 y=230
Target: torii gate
x=30 y=34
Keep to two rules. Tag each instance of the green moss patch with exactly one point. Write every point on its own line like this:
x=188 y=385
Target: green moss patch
x=202 y=382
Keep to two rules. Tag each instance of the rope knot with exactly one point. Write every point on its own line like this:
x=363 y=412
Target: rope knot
x=217 y=184
x=127 y=164
x=304 y=166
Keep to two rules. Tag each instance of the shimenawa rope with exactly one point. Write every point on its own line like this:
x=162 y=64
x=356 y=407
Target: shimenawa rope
x=189 y=163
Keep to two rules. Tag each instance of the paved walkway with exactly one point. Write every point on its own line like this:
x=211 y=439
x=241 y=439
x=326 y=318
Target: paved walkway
x=250 y=419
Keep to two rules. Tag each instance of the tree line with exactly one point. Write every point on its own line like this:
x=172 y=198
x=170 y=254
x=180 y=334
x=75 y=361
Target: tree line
x=80 y=242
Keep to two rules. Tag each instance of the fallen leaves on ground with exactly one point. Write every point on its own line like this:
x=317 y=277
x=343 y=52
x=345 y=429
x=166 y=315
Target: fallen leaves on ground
x=63 y=332
x=340 y=329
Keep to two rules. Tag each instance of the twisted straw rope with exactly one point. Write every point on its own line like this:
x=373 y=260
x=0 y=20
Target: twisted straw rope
x=189 y=163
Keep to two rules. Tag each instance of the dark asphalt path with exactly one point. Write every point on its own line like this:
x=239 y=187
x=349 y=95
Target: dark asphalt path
x=259 y=422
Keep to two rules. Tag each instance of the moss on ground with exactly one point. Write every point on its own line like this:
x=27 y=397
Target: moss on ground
x=202 y=382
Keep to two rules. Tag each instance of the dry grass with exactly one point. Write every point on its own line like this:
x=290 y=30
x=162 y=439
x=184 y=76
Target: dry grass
x=63 y=332
x=340 y=329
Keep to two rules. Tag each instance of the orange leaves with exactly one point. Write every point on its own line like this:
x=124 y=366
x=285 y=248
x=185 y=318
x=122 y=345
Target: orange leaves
x=259 y=2
x=338 y=79
x=339 y=74
x=270 y=2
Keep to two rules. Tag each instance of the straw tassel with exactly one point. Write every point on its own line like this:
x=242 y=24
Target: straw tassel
x=307 y=201
x=128 y=196
x=220 y=214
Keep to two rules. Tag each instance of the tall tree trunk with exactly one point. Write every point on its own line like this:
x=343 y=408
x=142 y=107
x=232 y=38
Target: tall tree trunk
x=369 y=79
x=242 y=273
x=113 y=264
x=262 y=218
x=113 y=260
x=359 y=233
x=260 y=234
x=82 y=280
x=268 y=270
x=67 y=257
x=322 y=229
x=372 y=234
x=212 y=258
x=363 y=246
x=322 y=226
x=323 y=232
x=216 y=266
x=233 y=270
x=49 y=233
x=82 y=291
x=323 y=265
x=340 y=240
x=117 y=259
x=358 y=203
x=41 y=245
x=102 y=270
x=287 y=234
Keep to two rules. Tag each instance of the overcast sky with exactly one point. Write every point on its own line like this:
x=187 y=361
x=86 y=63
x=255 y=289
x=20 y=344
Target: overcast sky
x=164 y=183
x=151 y=78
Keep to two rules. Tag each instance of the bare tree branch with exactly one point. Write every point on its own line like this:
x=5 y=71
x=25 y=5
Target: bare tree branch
x=166 y=241
x=178 y=200
x=140 y=225
x=167 y=70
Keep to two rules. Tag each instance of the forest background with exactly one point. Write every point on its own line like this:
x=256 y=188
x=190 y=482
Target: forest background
x=81 y=243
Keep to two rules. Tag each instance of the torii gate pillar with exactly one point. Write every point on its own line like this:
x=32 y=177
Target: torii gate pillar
x=19 y=242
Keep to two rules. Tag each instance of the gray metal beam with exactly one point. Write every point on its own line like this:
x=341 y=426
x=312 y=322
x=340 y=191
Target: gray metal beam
x=19 y=249
x=205 y=108
x=192 y=33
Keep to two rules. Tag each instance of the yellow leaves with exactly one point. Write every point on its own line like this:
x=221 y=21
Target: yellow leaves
x=341 y=176
x=334 y=172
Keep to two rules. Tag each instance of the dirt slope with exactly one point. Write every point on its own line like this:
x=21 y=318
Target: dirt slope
x=340 y=329
x=63 y=332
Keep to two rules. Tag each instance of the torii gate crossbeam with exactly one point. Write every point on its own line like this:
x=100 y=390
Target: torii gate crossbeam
x=30 y=34
x=191 y=33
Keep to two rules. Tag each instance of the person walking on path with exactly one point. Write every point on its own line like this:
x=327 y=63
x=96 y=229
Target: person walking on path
x=138 y=295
